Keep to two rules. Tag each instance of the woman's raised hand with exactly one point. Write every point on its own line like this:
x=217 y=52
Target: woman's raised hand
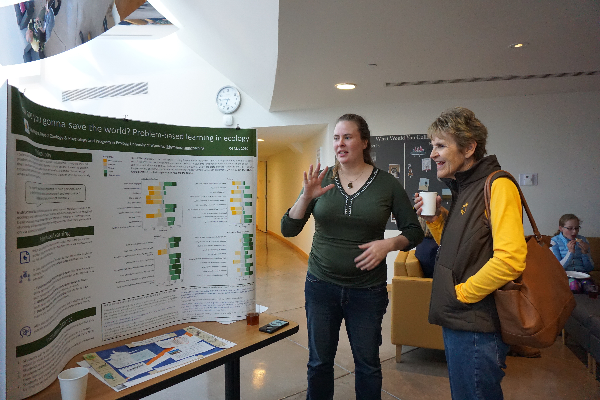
x=312 y=189
x=312 y=183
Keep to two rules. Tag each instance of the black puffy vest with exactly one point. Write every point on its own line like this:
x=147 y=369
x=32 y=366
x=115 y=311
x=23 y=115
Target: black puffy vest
x=466 y=245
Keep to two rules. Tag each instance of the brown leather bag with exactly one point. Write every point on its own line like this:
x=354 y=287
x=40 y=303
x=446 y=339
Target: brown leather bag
x=533 y=308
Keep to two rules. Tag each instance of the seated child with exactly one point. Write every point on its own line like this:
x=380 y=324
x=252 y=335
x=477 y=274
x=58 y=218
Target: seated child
x=572 y=250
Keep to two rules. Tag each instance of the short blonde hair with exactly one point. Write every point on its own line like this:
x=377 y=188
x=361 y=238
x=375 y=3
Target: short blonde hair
x=464 y=127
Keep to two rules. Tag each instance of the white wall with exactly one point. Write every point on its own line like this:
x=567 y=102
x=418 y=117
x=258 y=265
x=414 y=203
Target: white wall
x=13 y=40
x=284 y=180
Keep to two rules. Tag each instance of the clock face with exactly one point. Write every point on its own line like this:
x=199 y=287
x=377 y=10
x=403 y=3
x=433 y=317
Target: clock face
x=228 y=99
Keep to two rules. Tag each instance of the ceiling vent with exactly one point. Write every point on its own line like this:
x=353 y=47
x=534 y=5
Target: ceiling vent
x=494 y=78
x=129 y=89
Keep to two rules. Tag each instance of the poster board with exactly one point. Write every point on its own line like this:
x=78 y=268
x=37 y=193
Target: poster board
x=407 y=158
x=117 y=228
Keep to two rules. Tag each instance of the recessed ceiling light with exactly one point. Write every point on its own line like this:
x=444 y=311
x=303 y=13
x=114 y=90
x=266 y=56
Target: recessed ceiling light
x=345 y=86
x=518 y=45
x=261 y=140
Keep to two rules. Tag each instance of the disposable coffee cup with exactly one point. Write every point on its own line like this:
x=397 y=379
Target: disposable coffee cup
x=429 y=203
x=73 y=383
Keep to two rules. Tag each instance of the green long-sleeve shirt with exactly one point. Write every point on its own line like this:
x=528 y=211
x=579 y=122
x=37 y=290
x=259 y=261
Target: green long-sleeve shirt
x=343 y=222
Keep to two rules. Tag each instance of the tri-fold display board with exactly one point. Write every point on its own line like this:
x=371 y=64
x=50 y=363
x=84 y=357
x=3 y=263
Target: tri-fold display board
x=116 y=228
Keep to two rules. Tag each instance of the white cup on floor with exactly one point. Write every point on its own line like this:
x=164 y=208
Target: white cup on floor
x=429 y=203
x=73 y=383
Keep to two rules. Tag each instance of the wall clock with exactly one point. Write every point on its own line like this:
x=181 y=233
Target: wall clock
x=228 y=99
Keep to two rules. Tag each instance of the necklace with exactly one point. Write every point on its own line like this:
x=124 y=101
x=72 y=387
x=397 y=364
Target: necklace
x=351 y=181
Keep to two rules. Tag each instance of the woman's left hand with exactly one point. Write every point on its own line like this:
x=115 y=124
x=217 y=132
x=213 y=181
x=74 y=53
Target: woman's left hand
x=374 y=252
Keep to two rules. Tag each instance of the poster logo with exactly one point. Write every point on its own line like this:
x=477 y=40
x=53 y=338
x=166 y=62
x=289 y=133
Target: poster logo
x=25 y=276
x=25 y=257
x=25 y=331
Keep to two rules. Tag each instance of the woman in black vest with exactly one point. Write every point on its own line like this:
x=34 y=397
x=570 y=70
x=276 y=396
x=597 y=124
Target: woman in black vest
x=472 y=262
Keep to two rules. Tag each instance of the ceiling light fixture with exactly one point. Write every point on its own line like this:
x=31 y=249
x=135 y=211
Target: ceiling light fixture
x=261 y=140
x=345 y=86
x=518 y=45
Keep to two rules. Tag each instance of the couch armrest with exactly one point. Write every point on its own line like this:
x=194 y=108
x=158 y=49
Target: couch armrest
x=409 y=313
x=595 y=251
x=400 y=264
x=413 y=266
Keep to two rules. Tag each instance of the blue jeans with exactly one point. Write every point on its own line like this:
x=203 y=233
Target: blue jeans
x=362 y=309
x=476 y=363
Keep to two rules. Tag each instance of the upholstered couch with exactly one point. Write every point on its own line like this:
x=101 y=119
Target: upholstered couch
x=411 y=293
x=584 y=323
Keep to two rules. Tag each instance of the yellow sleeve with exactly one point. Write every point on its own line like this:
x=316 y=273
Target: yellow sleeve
x=510 y=249
x=437 y=227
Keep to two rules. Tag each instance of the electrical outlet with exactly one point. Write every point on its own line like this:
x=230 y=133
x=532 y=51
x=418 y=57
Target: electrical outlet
x=528 y=179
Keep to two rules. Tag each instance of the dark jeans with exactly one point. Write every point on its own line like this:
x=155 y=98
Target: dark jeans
x=476 y=363
x=327 y=305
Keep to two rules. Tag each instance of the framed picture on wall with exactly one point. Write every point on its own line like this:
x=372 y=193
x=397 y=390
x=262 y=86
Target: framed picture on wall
x=394 y=169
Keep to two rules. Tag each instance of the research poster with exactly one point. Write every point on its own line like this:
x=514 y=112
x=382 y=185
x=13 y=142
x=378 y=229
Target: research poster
x=117 y=228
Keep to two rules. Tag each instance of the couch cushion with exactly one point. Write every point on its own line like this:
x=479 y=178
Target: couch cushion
x=586 y=308
x=594 y=326
x=595 y=337
x=580 y=333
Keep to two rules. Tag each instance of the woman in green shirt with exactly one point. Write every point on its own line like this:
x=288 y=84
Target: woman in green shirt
x=347 y=272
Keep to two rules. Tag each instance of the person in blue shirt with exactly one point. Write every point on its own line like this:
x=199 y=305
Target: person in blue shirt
x=426 y=251
x=571 y=249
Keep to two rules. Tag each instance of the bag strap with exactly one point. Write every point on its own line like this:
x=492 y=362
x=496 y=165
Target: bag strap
x=487 y=194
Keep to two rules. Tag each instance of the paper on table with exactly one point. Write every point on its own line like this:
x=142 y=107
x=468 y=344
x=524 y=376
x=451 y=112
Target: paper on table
x=178 y=341
x=181 y=354
x=103 y=371
x=135 y=370
x=207 y=337
x=152 y=340
x=189 y=350
x=121 y=359
x=261 y=309
x=132 y=382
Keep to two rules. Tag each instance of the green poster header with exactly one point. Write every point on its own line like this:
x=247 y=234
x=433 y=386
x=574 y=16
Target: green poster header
x=39 y=344
x=27 y=147
x=24 y=242
x=58 y=128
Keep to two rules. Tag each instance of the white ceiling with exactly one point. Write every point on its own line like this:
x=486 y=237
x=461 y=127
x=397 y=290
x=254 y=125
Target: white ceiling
x=288 y=54
x=325 y=42
x=319 y=43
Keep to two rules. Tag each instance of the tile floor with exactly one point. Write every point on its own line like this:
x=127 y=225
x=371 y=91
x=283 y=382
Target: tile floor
x=279 y=371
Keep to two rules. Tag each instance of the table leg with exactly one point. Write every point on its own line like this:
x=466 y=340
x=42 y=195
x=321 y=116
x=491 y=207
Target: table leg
x=232 y=379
